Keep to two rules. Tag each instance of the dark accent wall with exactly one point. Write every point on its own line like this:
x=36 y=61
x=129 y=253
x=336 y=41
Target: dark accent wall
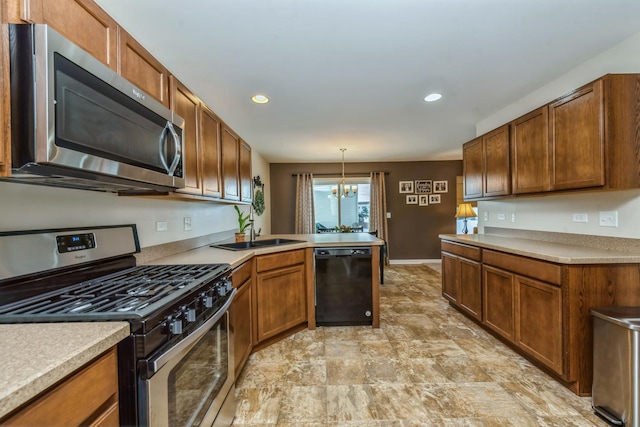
x=413 y=229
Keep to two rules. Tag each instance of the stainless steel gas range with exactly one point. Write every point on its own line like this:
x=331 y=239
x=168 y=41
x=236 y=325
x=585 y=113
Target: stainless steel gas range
x=176 y=367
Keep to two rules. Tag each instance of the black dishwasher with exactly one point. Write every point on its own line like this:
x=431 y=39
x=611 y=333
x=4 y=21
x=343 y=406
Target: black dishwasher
x=343 y=286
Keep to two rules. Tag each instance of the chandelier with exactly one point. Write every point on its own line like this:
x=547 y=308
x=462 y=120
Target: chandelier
x=344 y=190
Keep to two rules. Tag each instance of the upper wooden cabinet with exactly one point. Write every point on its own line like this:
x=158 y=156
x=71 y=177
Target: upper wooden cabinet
x=529 y=140
x=81 y=21
x=577 y=139
x=246 y=194
x=230 y=164
x=486 y=166
x=139 y=67
x=210 y=152
x=185 y=104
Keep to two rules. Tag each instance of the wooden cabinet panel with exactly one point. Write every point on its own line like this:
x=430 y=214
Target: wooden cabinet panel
x=246 y=194
x=78 y=400
x=498 y=304
x=450 y=278
x=470 y=287
x=278 y=260
x=138 y=66
x=241 y=315
x=466 y=251
x=539 y=321
x=81 y=21
x=577 y=139
x=473 y=167
x=281 y=300
x=530 y=152
x=497 y=177
x=210 y=152
x=541 y=270
x=230 y=164
x=5 y=130
x=186 y=105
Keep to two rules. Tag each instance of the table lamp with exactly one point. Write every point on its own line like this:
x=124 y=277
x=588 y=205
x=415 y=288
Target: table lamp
x=465 y=210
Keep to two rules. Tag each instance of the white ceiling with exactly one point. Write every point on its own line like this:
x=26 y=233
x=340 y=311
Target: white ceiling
x=353 y=73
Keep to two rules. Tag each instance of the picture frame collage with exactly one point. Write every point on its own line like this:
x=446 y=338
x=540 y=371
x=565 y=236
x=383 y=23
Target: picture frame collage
x=423 y=192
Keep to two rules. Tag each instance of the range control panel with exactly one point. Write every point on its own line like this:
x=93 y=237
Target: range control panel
x=75 y=242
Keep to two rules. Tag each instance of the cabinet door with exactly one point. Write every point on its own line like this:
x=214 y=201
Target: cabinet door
x=497 y=177
x=281 y=300
x=245 y=172
x=577 y=139
x=498 y=304
x=539 y=321
x=450 y=277
x=210 y=153
x=81 y=21
x=230 y=164
x=530 y=152
x=5 y=150
x=138 y=66
x=186 y=105
x=473 y=166
x=470 y=287
x=241 y=319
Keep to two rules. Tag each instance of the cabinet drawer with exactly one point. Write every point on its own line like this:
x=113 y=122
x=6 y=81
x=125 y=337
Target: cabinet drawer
x=279 y=260
x=470 y=252
x=241 y=274
x=76 y=400
x=540 y=270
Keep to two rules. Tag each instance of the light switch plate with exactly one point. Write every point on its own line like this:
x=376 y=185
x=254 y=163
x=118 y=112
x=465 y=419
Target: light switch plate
x=501 y=217
x=580 y=217
x=187 y=223
x=486 y=216
x=388 y=214
x=162 y=226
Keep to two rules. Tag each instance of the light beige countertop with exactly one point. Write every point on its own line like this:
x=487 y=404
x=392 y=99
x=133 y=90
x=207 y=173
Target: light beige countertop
x=209 y=255
x=561 y=253
x=35 y=356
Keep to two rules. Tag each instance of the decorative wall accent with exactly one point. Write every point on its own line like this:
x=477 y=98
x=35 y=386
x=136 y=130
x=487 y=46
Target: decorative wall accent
x=406 y=186
x=424 y=186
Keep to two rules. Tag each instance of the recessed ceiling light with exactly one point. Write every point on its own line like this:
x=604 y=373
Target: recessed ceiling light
x=432 y=97
x=259 y=99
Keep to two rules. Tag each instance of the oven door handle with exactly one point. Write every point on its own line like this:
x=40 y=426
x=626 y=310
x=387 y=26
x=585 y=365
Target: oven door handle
x=157 y=363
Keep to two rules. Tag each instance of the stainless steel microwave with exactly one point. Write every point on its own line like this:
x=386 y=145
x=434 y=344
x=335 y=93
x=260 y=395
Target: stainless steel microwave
x=76 y=123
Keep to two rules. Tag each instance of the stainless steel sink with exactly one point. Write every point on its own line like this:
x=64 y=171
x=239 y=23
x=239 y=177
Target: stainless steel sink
x=241 y=246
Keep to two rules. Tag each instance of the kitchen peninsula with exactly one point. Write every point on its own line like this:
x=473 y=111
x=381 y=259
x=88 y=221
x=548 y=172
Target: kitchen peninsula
x=534 y=292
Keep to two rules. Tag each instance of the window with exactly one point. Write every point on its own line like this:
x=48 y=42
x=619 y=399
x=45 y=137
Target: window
x=332 y=211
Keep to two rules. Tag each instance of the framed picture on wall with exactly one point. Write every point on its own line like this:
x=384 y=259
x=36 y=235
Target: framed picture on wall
x=423 y=186
x=440 y=187
x=412 y=199
x=434 y=198
x=423 y=200
x=406 y=186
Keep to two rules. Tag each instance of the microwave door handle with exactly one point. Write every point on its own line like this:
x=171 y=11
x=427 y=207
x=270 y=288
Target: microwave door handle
x=177 y=146
x=161 y=145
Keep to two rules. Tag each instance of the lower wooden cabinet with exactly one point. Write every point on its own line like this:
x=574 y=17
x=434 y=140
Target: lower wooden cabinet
x=241 y=315
x=498 y=304
x=88 y=397
x=280 y=293
x=461 y=277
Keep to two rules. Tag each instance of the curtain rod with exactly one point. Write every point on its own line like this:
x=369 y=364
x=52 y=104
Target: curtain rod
x=339 y=174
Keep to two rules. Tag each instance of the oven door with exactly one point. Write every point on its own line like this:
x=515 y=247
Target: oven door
x=192 y=384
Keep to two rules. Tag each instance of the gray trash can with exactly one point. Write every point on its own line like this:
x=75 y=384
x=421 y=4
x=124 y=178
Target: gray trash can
x=616 y=364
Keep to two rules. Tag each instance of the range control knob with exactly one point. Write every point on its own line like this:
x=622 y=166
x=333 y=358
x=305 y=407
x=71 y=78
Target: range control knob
x=175 y=326
x=222 y=289
x=207 y=300
x=189 y=314
x=227 y=284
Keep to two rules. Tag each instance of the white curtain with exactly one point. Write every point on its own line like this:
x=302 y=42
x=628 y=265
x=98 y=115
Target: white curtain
x=305 y=213
x=378 y=209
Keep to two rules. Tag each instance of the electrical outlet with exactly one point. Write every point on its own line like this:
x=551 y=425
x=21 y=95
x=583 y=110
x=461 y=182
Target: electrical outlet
x=486 y=216
x=513 y=217
x=388 y=214
x=162 y=226
x=501 y=217
x=609 y=219
x=580 y=217
x=187 y=223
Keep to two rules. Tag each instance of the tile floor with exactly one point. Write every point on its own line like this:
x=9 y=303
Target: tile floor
x=427 y=365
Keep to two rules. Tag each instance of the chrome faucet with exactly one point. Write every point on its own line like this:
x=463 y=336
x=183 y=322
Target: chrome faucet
x=252 y=230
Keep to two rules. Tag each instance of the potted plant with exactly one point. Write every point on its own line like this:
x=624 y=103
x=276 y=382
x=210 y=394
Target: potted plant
x=243 y=223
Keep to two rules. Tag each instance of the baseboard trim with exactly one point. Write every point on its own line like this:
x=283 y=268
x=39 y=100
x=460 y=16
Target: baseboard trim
x=412 y=261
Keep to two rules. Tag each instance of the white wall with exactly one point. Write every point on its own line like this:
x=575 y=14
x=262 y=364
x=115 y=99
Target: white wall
x=554 y=213
x=27 y=207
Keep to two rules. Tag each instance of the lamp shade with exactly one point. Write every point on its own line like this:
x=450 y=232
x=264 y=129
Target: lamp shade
x=465 y=210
